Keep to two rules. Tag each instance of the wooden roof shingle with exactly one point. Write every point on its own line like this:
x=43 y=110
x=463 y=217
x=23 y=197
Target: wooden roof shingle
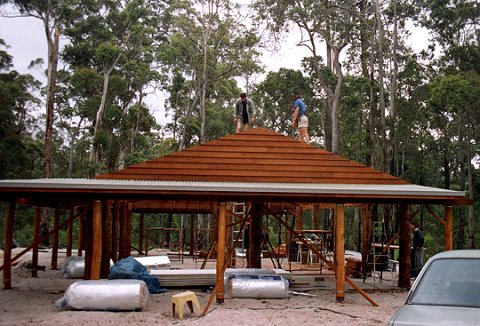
x=256 y=155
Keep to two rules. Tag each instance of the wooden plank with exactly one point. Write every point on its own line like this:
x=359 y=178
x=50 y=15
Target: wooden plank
x=259 y=169
x=250 y=166
x=221 y=159
x=435 y=215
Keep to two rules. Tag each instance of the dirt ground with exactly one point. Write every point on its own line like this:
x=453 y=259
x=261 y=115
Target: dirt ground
x=32 y=301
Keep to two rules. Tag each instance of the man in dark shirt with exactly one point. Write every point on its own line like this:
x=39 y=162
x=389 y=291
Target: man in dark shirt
x=244 y=110
x=418 y=242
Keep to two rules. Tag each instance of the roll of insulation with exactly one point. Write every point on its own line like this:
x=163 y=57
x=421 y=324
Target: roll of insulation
x=258 y=286
x=110 y=295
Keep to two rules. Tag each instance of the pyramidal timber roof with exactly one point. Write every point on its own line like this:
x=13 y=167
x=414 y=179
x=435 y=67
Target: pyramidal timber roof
x=258 y=164
x=258 y=155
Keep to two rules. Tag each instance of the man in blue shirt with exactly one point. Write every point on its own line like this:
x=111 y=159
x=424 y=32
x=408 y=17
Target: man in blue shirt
x=300 y=119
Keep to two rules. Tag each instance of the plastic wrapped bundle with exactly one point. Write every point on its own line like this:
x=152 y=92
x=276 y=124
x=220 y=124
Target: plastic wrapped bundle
x=258 y=286
x=154 y=262
x=110 y=295
x=74 y=267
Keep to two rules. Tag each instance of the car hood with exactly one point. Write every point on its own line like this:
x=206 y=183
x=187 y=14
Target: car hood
x=435 y=315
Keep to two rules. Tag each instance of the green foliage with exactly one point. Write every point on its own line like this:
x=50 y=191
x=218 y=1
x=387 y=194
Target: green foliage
x=119 y=52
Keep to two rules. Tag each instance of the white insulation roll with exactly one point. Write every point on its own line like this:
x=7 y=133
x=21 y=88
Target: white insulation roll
x=73 y=267
x=110 y=295
x=258 y=286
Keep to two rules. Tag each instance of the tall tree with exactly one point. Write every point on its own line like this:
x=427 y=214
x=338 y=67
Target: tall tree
x=118 y=44
x=329 y=21
x=20 y=151
x=209 y=46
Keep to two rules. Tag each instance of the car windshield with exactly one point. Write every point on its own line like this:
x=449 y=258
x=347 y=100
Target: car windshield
x=451 y=282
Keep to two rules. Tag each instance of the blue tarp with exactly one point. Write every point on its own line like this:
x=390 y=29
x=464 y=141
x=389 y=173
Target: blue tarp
x=129 y=268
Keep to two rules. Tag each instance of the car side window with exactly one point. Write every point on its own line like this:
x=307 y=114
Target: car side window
x=454 y=282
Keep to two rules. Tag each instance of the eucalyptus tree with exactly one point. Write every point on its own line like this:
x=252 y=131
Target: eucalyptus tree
x=455 y=101
x=118 y=44
x=210 y=46
x=454 y=31
x=21 y=151
x=53 y=14
x=332 y=22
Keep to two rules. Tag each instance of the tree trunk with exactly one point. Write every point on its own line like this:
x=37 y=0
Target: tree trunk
x=381 y=86
x=188 y=116
x=393 y=90
x=336 y=100
x=95 y=155
x=203 y=91
x=373 y=111
x=53 y=49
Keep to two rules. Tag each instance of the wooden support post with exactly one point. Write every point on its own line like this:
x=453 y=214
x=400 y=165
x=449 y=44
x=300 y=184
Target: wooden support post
x=140 y=233
x=299 y=218
x=56 y=223
x=106 y=238
x=230 y=241
x=36 y=241
x=81 y=228
x=192 y=236
x=340 y=252
x=115 y=231
x=448 y=228
x=70 y=233
x=366 y=236
x=7 y=246
x=97 y=241
x=316 y=216
x=88 y=243
x=222 y=229
x=129 y=228
x=404 y=248
x=124 y=246
x=254 y=252
x=146 y=241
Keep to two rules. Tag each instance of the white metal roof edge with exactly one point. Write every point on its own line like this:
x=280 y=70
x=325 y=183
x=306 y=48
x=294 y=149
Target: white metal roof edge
x=351 y=189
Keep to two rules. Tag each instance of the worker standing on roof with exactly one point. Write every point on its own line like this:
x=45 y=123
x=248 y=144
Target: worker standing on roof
x=300 y=119
x=244 y=110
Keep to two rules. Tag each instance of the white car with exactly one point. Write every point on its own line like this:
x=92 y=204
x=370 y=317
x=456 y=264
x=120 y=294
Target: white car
x=446 y=292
